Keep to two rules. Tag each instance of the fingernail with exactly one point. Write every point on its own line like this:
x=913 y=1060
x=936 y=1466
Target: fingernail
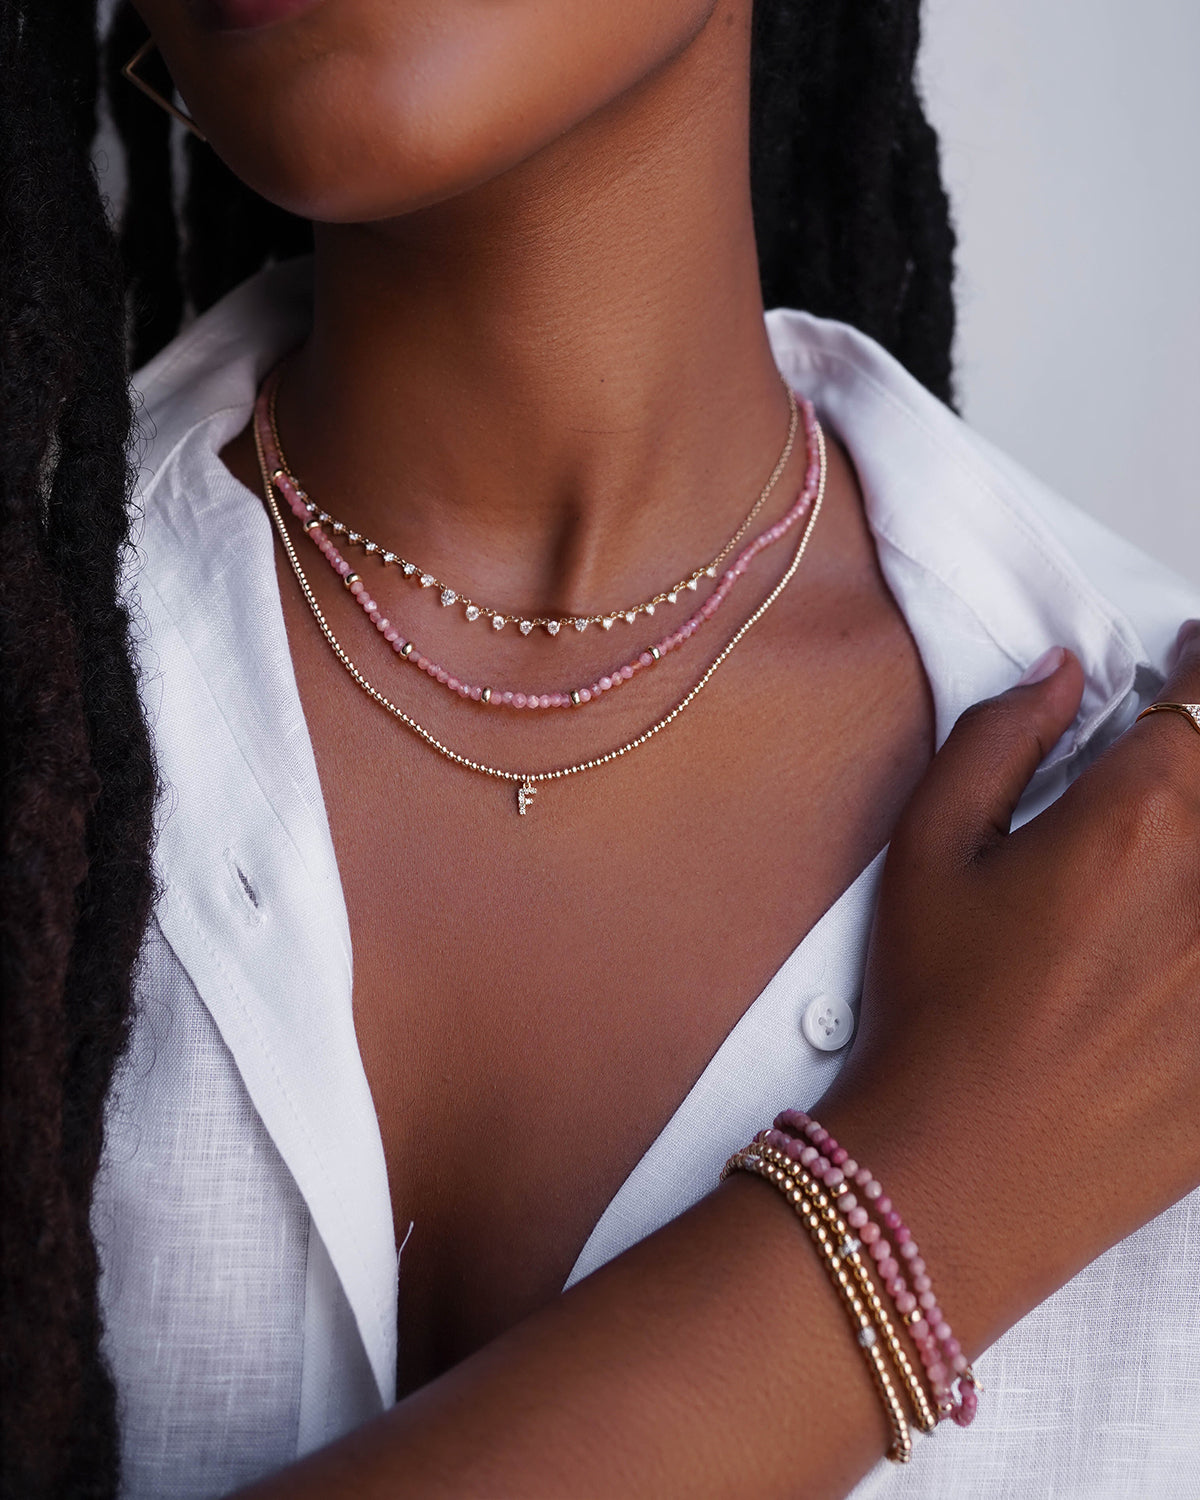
x=1045 y=666
x=1186 y=631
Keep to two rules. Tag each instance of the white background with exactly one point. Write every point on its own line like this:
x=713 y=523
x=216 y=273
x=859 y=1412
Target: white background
x=1071 y=141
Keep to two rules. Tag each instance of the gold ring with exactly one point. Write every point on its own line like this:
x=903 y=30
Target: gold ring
x=1190 y=711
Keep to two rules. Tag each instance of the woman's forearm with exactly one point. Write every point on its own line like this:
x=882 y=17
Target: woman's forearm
x=711 y=1360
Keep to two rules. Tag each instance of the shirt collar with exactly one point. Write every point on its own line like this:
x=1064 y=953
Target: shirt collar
x=984 y=584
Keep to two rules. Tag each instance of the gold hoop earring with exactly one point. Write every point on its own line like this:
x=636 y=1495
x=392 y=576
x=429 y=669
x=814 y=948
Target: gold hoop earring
x=152 y=93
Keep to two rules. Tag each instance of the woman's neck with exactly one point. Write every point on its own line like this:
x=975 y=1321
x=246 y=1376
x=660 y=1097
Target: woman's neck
x=563 y=371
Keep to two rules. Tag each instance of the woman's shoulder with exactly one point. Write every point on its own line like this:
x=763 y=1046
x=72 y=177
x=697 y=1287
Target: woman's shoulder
x=942 y=494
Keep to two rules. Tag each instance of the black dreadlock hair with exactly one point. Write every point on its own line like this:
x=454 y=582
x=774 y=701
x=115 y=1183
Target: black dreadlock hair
x=852 y=222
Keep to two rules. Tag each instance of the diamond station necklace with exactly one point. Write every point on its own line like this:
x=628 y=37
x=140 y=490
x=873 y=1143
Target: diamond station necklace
x=527 y=783
x=550 y=624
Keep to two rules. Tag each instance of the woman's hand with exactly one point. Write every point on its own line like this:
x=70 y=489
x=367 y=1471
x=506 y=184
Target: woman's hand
x=1028 y=1068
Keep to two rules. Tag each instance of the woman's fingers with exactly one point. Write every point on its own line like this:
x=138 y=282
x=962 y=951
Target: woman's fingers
x=1182 y=686
x=966 y=799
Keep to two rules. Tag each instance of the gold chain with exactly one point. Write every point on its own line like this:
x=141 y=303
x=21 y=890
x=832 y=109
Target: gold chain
x=529 y=781
x=526 y=623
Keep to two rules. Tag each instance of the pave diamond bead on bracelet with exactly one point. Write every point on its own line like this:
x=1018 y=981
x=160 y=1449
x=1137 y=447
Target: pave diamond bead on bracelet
x=873 y=1218
x=762 y=1161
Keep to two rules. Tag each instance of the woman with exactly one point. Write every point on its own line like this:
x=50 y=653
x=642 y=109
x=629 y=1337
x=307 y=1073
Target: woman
x=529 y=354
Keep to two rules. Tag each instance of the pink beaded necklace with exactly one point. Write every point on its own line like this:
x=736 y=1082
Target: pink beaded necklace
x=306 y=511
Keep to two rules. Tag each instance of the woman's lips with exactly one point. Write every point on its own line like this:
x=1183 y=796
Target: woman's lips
x=247 y=15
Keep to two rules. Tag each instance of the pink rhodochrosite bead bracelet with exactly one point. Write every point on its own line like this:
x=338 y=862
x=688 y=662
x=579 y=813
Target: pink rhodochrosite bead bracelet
x=876 y=1221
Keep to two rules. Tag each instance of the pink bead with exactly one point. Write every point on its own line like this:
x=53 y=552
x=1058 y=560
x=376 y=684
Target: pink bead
x=626 y=673
x=518 y=700
x=506 y=697
x=938 y=1371
x=833 y=1177
x=391 y=635
x=850 y=1167
x=908 y=1247
x=905 y=1303
x=872 y=1190
x=959 y=1364
x=357 y=586
x=917 y=1266
x=442 y=675
x=919 y=1330
x=584 y=695
x=888 y=1268
x=880 y=1249
x=847 y=1201
x=453 y=684
x=927 y=1299
x=423 y=663
x=605 y=684
x=367 y=603
x=943 y=1331
x=476 y=694
x=857 y=1218
x=884 y=1208
x=869 y=1233
x=809 y=1155
x=463 y=690
x=343 y=566
x=951 y=1348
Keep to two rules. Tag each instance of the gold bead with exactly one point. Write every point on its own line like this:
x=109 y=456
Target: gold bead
x=486 y=695
x=350 y=578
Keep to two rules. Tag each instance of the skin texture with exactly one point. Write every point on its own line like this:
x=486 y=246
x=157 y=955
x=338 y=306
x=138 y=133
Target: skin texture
x=538 y=365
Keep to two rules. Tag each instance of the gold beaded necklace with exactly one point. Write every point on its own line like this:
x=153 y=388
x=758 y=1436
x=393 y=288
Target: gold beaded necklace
x=527 y=783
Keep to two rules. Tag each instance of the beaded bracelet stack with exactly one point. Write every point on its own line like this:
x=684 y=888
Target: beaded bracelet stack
x=818 y=1177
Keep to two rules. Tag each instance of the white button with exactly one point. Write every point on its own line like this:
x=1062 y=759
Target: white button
x=828 y=1023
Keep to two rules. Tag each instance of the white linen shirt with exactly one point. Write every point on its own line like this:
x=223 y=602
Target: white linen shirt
x=249 y=1264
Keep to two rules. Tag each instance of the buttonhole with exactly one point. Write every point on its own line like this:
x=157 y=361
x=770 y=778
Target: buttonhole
x=251 y=894
x=244 y=882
